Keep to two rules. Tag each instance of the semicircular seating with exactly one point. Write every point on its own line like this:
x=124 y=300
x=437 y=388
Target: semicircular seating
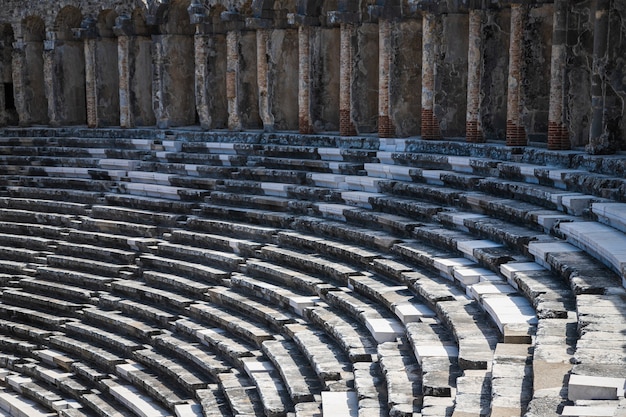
x=158 y=273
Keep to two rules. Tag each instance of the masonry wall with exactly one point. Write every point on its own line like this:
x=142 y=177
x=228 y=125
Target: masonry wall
x=238 y=64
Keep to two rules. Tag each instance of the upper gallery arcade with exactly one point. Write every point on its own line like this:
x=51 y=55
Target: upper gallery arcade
x=515 y=71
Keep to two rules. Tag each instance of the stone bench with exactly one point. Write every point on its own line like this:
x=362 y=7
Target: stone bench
x=69 y=292
x=353 y=337
x=55 y=194
x=17 y=254
x=43 y=205
x=611 y=214
x=267 y=218
x=259 y=311
x=102 y=254
x=203 y=273
x=74 y=278
x=270 y=388
x=91 y=266
x=134 y=400
x=192 y=352
x=150 y=204
x=186 y=375
x=437 y=354
x=102 y=336
x=161 y=191
x=287 y=277
x=102 y=358
x=241 y=394
x=603 y=242
x=221 y=259
x=26 y=216
x=175 y=282
x=15 y=405
x=403 y=377
x=133 y=215
x=263 y=202
x=81 y=184
x=40 y=393
x=143 y=292
x=330 y=363
x=229 y=320
x=24 y=331
x=38 y=231
x=254 y=232
x=110 y=240
x=122 y=323
x=241 y=247
x=231 y=346
x=28 y=299
x=118 y=228
x=340 y=404
x=103 y=405
x=31 y=316
x=299 y=378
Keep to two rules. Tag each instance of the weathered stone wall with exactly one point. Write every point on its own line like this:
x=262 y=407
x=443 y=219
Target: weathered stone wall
x=396 y=68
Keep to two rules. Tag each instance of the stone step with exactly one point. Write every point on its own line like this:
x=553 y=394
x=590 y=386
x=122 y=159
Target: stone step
x=122 y=323
x=355 y=339
x=81 y=184
x=74 y=278
x=299 y=378
x=132 y=215
x=103 y=405
x=241 y=394
x=370 y=387
x=222 y=259
x=192 y=270
x=245 y=214
x=70 y=292
x=611 y=214
x=134 y=400
x=118 y=227
x=55 y=194
x=37 y=231
x=150 y=204
x=224 y=227
x=228 y=320
x=157 y=389
x=473 y=396
x=340 y=404
x=30 y=316
x=213 y=401
x=102 y=254
x=141 y=291
x=161 y=191
x=270 y=387
x=403 y=377
x=511 y=379
x=103 y=358
x=99 y=335
x=187 y=376
x=241 y=247
x=41 y=205
x=35 y=217
x=90 y=266
x=192 y=352
x=28 y=299
x=259 y=311
x=15 y=405
x=115 y=241
x=175 y=282
x=287 y=277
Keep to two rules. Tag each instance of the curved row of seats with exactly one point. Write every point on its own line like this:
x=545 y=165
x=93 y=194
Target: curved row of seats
x=181 y=274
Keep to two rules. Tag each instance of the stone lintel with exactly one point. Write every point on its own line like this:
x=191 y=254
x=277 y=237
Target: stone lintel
x=336 y=18
x=296 y=19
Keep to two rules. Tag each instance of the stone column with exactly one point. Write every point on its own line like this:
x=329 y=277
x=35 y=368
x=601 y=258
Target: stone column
x=91 y=86
x=430 y=124
x=304 y=83
x=515 y=132
x=158 y=91
x=232 y=79
x=386 y=128
x=202 y=47
x=473 y=127
x=123 y=65
x=600 y=141
x=346 y=125
x=51 y=82
x=558 y=131
x=18 y=64
x=265 y=111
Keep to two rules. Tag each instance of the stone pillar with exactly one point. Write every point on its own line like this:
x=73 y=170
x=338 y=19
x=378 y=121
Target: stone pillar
x=123 y=64
x=51 y=82
x=265 y=110
x=158 y=91
x=600 y=140
x=232 y=79
x=430 y=124
x=304 y=83
x=473 y=127
x=91 y=86
x=346 y=125
x=19 y=67
x=202 y=47
x=386 y=128
x=558 y=131
x=515 y=132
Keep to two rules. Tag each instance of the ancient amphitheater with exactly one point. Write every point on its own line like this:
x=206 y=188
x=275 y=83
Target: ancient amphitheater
x=310 y=208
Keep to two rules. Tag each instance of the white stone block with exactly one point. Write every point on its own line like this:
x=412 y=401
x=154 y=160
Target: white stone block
x=140 y=404
x=252 y=365
x=588 y=411
x=330 y=154
x=125 y=369
x=582 y=387
x=577 y=203
x=477 y=291
x=340 y=404
x=411 y=312
x=541 y=249
x=612 y=214
x=435 y=351
x=433 y=176
x=385 y=157
x=384 y=330
x=509 y=310
x=300 y=303
x=188 y=410
x=459 y=218
x=15 y=381
x=447 y=265
x=54 y=376
x=511 y=268
x=460 y=163
x=468 y=246
x=469 y=276
x=275 y=189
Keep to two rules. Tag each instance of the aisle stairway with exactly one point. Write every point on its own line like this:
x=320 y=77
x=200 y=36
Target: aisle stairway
x=158 y=273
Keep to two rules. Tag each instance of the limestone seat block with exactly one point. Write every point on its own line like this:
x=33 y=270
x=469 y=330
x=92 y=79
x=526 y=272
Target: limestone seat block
x=139 y=403
x=508 y=310
x=612 y=214
x=583 y=387
x=468 y=246
x=409 y=312
x=470 y=276
x=340 y=404
x=588 y=411
x=447 y=266
x=384 y=330
x=188 y=410
x=15 y=405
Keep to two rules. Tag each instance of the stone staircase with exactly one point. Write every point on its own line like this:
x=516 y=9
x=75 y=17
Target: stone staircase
x=178 y=273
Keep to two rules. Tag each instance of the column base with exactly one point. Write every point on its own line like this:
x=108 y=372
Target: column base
x=386 y=129
x=305 y=127
x=430 y=125
x=558 y=137
x=515 y=135
x=346 y=127
x=473 y=133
